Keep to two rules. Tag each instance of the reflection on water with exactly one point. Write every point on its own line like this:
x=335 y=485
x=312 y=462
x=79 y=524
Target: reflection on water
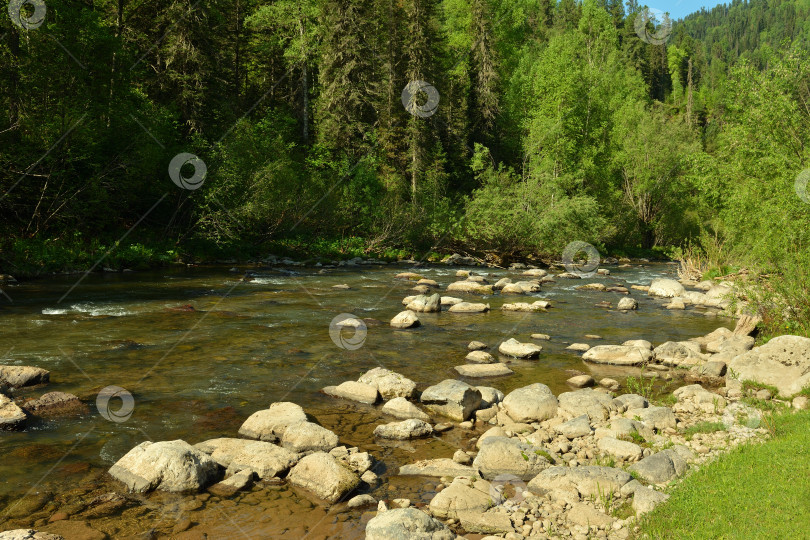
x=201 y=349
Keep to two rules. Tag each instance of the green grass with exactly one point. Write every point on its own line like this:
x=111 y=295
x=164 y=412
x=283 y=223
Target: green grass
x=703 y=427
x=755 y=491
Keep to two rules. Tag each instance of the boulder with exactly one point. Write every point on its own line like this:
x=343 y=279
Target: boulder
x=462 y=495
x=11 y=416
x=623 y=427
x=490 y=396
x=587 y=481
x=535 y=273
x=405 y=319
x=544 y=337
x=579 y=347
x=436 y=467
x=501 y=283
x=661 y=467
x=665 y=288
x=581 y=381
x=408 y=275
x=588 y=516
x=676 y=303
x=480 y=357
x=483 y=370
x=646 y=499
x=783 y=362
x=490 y=522
x=469 y=307
x=679 y=354
x=502 y=455
x=610 y=384
x=355 y=391
x=230 y=486
x=533 y=403
x=28 y=534
x=404 y=430
x=55 y=404
x=512 y=347
x=621 y=449
x=597 y=405
x=719 y=295
x=402 y=408
x=450 y=300
x=627 y=304
x=168 y=466
x=308 y=437
x=388 y=383
x=639 y=343
x=747 y=325
x=512 y=288
x=407 y=524
x=19 y=376
x=270 y=424
x=632 y=401
x=655 y=417
x=264 y=459
x=539 y=305
x=425 y=304
x=428 y=283
x=476 y=346
x=577 y=427
x=468 y=286
x=324 y=475
x=620 y=355
x=359 y=501
x=495 y=431
x=454 y=399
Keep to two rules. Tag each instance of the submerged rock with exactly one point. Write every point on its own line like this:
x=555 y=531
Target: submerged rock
x=11 y=416
x=55 y=404
x=402 y=408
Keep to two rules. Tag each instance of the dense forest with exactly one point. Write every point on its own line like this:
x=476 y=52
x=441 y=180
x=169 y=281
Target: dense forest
x=401 y=127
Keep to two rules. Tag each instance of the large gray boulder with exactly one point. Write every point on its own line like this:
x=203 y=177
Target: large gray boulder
x=661 y=467
x=388 y=383
x=324 y=475
x=167 y=466
x=679 y=354
x=597 y=405
x=665 y=288
x=502 y=455
x=783 y=362
x=11 y=416
x=236 y=455
x=19 y=376
x=405 y=319
x=512 y=347
x=425 y=304
x=407 y=524
x=619 y=355
x=454 y=399
x=586 y=481
x=620 y=449
x=533 y=403
x=270 y=424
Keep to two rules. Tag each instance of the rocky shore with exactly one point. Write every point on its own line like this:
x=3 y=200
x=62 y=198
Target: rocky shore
x=585 y=463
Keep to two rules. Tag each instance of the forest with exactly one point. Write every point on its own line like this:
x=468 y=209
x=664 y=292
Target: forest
x=178 y=130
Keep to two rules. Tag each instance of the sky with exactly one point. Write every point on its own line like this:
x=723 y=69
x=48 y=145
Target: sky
x=681 y=8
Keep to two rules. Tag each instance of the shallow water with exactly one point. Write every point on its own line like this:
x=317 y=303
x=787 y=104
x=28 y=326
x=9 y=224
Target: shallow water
x=198 y=374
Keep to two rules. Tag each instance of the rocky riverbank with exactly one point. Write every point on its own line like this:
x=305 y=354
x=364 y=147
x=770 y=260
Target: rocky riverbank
x=528 y=463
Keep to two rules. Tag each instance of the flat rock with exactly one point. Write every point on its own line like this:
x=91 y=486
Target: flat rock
x=167 y=466
x=581 y=347
x=468 y=286
x=55 y=404
x=535 y=272
x=783 y=362
x=661 y=467
x=19 y=376
x=436 y=467
x=323 y=475
x=679 y=354
x=489 y=522
x=468 y=307
x=11 y=416
x=666 y=288
x=597 y=405
x=405 y=319
x=620 y=355
x=587 y=480
x=402 y=408
x=544 y=337
x=621 y=449
x=646 y=499
x=408 y=275
x=407 y=524
x=265 y=459
x=577 y=427
x=388 y=383
x=308 y=437
x=450 y=300
x=532 y=403
x=480 y=357
x=455 y=399
x=512 y=347
x=581 y=381
x=588 y=516
x=462 y=495
x=270 y=424
x=354 y=391
x=539 y=305
x=483 y=370
x=505 y=456
x=404 y=430
x=230 y=486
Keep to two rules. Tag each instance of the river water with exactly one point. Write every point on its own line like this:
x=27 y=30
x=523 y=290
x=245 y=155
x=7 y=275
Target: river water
x=197 y=374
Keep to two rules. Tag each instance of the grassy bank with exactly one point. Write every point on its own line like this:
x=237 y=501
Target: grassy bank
x=755 y=491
